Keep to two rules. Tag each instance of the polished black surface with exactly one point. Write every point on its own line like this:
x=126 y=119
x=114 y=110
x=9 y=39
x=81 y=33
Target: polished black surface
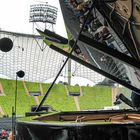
x=80 y=130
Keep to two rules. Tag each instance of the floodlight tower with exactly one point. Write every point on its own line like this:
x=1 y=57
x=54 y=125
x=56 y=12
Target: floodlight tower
x=43 y=13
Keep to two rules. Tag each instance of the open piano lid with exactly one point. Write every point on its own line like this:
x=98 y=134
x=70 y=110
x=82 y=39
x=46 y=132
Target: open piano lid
x=116 y=56
x=120 y=48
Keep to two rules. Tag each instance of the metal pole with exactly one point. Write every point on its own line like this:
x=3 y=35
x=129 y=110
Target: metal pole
x=13 y=121
x=69 y=72
x=14 y=134
x=16 y=95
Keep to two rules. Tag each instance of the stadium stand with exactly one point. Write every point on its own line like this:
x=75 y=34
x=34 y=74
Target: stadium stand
x=91 y=97
x=95 y=98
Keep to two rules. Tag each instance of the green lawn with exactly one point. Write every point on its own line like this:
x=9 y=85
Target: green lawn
x=7 y=101
x=23 y=101
x=95 y=97
x=58 y=98
x=73 y=88
x=32 y=86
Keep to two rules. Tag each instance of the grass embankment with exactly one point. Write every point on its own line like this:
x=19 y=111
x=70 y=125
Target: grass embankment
x=95 y=97
x=73 y=88
x=32 y=86
x=59 y=99
x=24 y=102
x=8 y=101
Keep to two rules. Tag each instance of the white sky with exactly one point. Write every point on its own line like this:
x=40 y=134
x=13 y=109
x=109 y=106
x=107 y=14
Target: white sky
x=14 y=16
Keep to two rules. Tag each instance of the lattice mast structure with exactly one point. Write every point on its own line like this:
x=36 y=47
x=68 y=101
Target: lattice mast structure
x=47 y=14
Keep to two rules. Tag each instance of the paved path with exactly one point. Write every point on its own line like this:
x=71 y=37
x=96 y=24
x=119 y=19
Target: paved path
x=26 y=89
x=75 y=98
x=67 y=90
x=81 y=92
x=1 y=111
x=37 y=100
x=1 y=90
x=76 y=103
x=114 y=93
x=27 y=93
x=41 y=89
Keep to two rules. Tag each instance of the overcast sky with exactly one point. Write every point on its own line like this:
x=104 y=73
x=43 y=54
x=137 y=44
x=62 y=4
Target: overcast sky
x=14 y=16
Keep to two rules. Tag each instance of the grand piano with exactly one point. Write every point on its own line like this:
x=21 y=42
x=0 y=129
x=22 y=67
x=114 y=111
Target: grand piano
x=103 y=35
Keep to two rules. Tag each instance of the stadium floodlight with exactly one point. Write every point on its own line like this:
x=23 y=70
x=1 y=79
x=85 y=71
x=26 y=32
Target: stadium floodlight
x=43 y=13
x=6 y=44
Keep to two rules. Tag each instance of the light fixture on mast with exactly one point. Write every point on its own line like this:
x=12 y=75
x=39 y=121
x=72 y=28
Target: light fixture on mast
x=43 y=13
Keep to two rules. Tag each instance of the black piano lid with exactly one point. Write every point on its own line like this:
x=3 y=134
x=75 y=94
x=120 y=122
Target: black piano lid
x=127 y=66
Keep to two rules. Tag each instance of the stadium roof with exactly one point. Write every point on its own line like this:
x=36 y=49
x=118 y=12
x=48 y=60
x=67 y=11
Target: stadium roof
x=38 y=61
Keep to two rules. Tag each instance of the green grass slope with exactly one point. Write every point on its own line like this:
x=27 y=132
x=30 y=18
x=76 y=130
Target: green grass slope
x=23 y=101
x=7 y=101
x=95 y=97
x=32 y=86
x=73 y=88
x=59 y=99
